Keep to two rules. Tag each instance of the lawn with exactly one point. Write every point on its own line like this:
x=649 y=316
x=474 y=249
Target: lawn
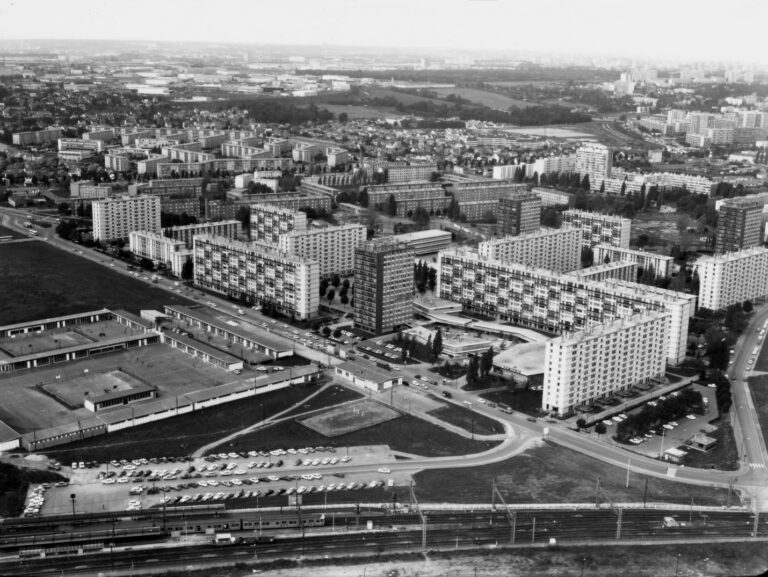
x=467 y=420
x=5 y=231
x=180 y=435
x=41 y=281
x=523 y=400
x=552 y=474
x=334 y=395
x=405 y=433
x=485 y=97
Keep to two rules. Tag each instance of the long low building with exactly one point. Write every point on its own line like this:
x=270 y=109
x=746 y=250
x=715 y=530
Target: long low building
x=554 y=249
x=425 y=241
x=625 y=270
x=242 y=333
x=657 y=264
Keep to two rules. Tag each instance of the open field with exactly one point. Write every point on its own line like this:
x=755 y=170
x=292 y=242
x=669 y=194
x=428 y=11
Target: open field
x=403 y=97
x=180 y=435
x=552 y=474
x=663 y=232
x=485 y=97
x=41 y=281
x=26 y=407
x=5 y=231
x=349 y=418
x=333 y=395
x=405 y=433
x=722 y=559
x=467 y=420
x=358 y=112
x=725 y=455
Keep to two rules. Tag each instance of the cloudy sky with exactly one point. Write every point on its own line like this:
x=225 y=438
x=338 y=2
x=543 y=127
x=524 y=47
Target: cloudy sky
x=732 y=31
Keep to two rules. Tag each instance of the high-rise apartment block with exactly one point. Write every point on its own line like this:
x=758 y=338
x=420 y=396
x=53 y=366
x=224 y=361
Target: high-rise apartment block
x=739 y=224
x=552 y=302
x=333 y=247
x=590 y=364
x=258 y=272
x=733 y=277
x=383 y=286
x=159 y=248
x=557 y=250
x=269 y=222
x=225 y=228
x=594 y=160
x=117 y=217
x=599 y=228
x=519 y=214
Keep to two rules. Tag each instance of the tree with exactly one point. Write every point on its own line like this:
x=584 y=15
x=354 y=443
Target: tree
x=331 y=295
x=623 y=188
x=602 y=187
x=343 y=117
x=581 y=422
x=587 y=257
x=600 y=428
x=344 y=299
x=336 y=281
x=585 y=183
x=326 y=332
x=243 y=214
x=336 y=333
x=437 y=344
x=187 y=269
x=323 y=287
x=486 y=362
x=747 y=307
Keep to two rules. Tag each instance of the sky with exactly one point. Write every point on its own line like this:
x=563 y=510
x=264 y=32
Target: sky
x=700 y=30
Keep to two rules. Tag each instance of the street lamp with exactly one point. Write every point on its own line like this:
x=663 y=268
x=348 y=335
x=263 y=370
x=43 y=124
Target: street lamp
x=74 y=498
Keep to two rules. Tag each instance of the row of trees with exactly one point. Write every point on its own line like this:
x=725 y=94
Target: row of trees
x=479 y=367
x=424 y=276
x=649 y=417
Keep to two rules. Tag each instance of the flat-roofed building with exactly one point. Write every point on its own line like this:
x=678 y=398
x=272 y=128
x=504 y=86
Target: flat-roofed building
x=117 y=217
x=732 y=278
x=658 y=265
x=586 y=365
x=558 y=250
x=160 y=249
x=269 y=222
x=333 y=247
x=552 y=302
x=519 y=214
x=599 y=228
x=485 y=190
x=226 y=228
x=383 y=286
x=625 y=270
x=552 y=197
x=739 y=224
x=425 y=241
x=259 y=273
x=47 y=136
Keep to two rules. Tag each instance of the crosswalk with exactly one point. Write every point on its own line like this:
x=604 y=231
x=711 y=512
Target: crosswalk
x=757 y=465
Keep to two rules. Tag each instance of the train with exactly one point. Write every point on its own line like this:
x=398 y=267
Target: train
x=248 y=522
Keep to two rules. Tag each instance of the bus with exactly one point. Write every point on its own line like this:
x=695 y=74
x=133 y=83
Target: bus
x=504 y=408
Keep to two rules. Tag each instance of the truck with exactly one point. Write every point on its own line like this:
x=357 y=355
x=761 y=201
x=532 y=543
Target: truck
x=223 y=539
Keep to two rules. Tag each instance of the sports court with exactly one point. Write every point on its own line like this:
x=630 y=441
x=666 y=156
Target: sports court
x=349 y=418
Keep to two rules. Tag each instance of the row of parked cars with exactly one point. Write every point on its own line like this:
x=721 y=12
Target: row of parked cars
x=248 y=494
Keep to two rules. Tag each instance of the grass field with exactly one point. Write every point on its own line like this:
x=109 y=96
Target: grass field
x=406 y=433
x=523 y=400
x=467 y=420
x=329 y=397
x=41 y=281
x=485 y=97
x=180 y=435
x=552 y=474
x=358 y=112
x=662 y=230
x=725 y=455
x=5 y=231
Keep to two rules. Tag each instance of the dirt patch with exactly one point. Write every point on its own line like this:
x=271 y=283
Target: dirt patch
x=350 y=418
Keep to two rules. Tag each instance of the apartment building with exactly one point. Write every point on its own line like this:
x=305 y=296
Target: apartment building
x=180 y=206
x=378 y=195
x=160 y=249
x=383 y=286
x=82 y=189
x=739 y=224
x=519 y=214
x=582 y=366
x=733 y=277
x=92 y=146
x=269 y=222
x=657 y=264
x=291 y=200
x=172 y=187
x=625 y=270
x=552 y=197
x=223 y=228
x=333 y=247
x=594 y=160
x=425 y=241
x=48 y=136
x=549 y=301
x=401 y=171
x=557 y=250
x=337 y=156
x=599 y=228
x=309 y=187
x=485 y=190
x=254 y=271
x=117 y=217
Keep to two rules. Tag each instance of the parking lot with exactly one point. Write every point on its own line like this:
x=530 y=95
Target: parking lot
x=145 y=483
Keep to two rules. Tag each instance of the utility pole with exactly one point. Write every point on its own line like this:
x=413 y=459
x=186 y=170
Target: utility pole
x=645 y=493
x=423 y=533
x=533 y=531
x=756 y=525
x=618 y=525
x=597 y=494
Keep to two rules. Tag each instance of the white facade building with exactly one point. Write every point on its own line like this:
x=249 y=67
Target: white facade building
x=599 y=228
x=554 y=249
x=583 y=366
x=289 y=283
x=269 y=222
x=159 y=248
x=117 y=217
x=660 y=264
x=333 y=247
x=733 y=277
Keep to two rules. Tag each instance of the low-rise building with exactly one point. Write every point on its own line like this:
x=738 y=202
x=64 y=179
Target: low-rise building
x=658 y=265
